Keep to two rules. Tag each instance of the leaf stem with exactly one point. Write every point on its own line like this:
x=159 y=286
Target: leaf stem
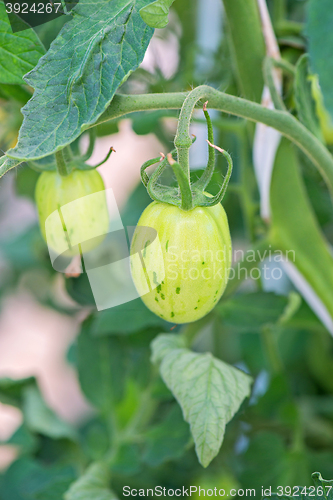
x=282 y=121
x=61 y=164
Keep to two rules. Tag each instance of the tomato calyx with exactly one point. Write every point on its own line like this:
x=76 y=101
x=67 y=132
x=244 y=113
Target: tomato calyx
x=186 y=195
x=67 y=160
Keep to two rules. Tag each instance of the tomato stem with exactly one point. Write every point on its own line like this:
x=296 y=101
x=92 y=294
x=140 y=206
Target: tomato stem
x=61 y=164
x=183 y=182
x=282 y=121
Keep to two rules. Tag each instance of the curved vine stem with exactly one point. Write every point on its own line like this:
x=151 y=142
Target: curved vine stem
x=282 y=121
x=183 y=139
x=205 y=178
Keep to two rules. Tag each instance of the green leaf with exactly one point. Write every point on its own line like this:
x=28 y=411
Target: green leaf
x=25 y=182
x=25 y=477
x=24 y=440
x=93 y=485
x=295 y=229
x=55 y=489
x=306 y=107
x=76 y=80
x=249 y=312
x=208 y=390
x=38 y=418
x=19 y=52
x=156 y=14
x=320 y=37
x=12 y=391
x=327 y=485
x=7 y=164
x=79 y=290
x=41 y=419
x=101 y=368
x=166 y=440
x=125 y=319
x=127 y=460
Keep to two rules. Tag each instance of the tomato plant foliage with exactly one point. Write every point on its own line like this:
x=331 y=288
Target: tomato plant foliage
x=221 y=383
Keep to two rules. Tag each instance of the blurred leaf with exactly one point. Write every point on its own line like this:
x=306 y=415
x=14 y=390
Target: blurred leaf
x=47 y=32
x=167 y=440
x=101 y=368
x=137 y=201
x=12 y=391
x=156 y=13
x=128 y=460
x=320 y=359
x=146 y=122
x=320 y=41
x=16 y=92
x=41 y=419
x=19 y=52
x=249 y=312
x=24 y=440
x=295 y=229
x=25 y=182
x=208 y=391
x=107 y=128
x=267 y=453
x=110 y=42
x=129 y=404
x=24 y=394
x=26 y=250
x=95 y=439
x=26 y=476
x=125 y=319
x=79 y=289
x=306 y=107
x=93 y=485
x=55 y=489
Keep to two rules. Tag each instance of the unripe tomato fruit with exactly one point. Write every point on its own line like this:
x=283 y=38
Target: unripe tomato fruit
x=326 y=123
x=187 y=266
x=86 y=220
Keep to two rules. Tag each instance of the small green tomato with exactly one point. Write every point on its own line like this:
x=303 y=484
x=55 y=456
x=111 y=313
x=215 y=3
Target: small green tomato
x=186 y=267
x=72 y=211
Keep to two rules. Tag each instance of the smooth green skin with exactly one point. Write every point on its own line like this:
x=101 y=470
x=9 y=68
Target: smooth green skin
x=326 y=123
x=75 y=223
x=191 y=261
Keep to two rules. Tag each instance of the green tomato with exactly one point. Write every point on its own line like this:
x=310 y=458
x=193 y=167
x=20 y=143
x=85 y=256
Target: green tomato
x=72 y=211
x=182 y=273
x=326 y=123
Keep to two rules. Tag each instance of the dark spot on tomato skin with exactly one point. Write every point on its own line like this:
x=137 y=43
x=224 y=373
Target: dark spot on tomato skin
x=198 y=300
x=162 y=296
x=167 y=245
x=172 y=314
x=196 y=308
x=158 y=288
x=178 y=290
x=162 y=282
x=155 y=278
x=203 y=263
x=145 y=248
x=156 y=299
